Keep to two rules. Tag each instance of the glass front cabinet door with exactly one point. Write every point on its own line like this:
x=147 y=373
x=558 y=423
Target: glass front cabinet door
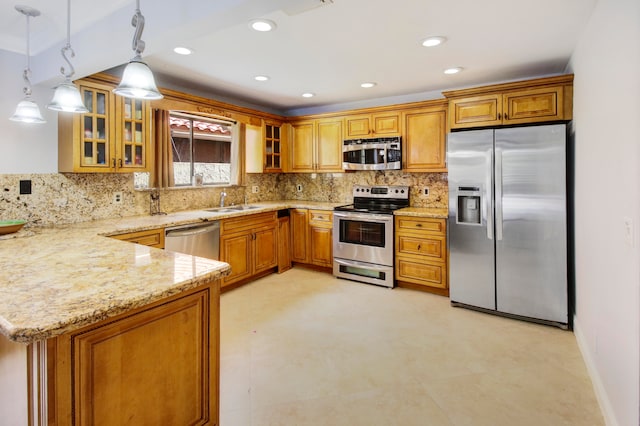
x=113 y=136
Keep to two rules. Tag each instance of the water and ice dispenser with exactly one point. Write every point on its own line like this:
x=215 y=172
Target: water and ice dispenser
x=469 y=205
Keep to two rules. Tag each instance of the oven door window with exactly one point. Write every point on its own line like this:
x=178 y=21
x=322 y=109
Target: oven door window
x=365 y=156
x=362 y=233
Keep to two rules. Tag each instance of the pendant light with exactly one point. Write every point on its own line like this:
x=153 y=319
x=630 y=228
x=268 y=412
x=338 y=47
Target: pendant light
x=67 y=96
x=27 y=110
x=137 y=79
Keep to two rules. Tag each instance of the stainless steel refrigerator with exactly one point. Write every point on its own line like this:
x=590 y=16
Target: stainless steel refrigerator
x=508 y=221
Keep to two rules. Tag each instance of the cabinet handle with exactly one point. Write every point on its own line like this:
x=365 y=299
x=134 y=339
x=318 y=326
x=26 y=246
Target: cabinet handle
x=120 y=162
x=419 y=225
x=113 y=161
x=506 y=117
x=419 y=247
x=499 y=116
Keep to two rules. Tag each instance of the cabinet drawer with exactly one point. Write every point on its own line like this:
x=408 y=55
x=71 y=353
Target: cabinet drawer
x=321 y=218
x=424 y=273
x=152 y=237
x=434 y=247
x=243 y=223
x=409 y=223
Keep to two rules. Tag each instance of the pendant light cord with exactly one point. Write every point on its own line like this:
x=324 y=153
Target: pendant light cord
x=27 y=71
x=67 y=50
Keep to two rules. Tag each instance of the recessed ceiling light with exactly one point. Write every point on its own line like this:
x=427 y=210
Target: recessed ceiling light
x=454 y=70
x=433 y=41
x=182 y=50
x=308 y=95
x=261 y=77
x=368 y=85
x=263 y=25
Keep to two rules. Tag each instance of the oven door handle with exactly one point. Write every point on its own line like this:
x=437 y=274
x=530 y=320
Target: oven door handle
x=365 y=217
x=371 y=266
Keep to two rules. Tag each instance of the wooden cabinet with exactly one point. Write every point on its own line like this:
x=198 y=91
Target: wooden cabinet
x=249 y=244
x=311 y=236
x=114 y=136
x=378 y=124
x=316 y=145
x=531 y=101
x=421 y=253
x=151 y=237
x=125 y=367
x=284 y=244
x=424 y=133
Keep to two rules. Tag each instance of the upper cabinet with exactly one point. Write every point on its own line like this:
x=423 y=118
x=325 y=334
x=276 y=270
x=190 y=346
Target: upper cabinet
x=531 y=101
x=379 y=124
x=273 y=143
x=316 y=145
x=424 y=132
x=114 y=136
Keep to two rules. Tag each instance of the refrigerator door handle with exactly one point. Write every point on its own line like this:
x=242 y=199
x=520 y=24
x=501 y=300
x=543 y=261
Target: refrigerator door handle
x=498 y=197
x=488 y=202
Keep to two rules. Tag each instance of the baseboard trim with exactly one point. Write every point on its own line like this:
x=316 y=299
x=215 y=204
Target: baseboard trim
x=598 y=387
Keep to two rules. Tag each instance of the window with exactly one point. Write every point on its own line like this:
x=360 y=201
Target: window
x=203 y=148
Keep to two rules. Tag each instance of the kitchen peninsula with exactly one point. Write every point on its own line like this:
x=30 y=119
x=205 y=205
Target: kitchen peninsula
x=101 y=331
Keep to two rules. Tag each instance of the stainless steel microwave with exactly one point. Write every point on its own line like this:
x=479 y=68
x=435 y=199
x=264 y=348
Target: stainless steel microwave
x=372 y=154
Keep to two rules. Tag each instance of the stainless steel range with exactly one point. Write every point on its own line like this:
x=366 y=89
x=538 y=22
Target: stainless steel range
x=363 y=234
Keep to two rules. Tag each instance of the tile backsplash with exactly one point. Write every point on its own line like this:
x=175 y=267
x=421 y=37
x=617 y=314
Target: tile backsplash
x=59 y=198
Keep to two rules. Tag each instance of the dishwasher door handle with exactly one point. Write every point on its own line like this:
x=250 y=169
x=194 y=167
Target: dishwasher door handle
x=191 y=231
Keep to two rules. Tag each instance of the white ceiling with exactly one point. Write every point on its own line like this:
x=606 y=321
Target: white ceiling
x=327 y=49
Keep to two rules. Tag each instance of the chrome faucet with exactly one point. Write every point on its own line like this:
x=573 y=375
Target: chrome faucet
x=223 y=195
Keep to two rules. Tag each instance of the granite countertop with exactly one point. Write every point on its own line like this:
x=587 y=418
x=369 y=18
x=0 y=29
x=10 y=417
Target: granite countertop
x=57 y=279
x=423 y=212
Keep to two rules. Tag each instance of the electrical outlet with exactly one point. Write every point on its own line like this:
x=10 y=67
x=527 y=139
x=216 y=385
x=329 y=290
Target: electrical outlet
x=117 y=197
x=255 y=189
x=299 y=188
x=425 y=191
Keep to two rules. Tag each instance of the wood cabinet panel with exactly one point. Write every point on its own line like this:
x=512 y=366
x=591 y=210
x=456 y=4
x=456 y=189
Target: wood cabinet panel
x=249 y=244
x=152 y=237
x=424 y=139
x=421 y=253
x=123 y=370
x=529 y=106
x=302 y=147
x=371 y=125
x=329 y=145
x=320 y=243
x=299 y=224
x=284 y=244
x=476 y=111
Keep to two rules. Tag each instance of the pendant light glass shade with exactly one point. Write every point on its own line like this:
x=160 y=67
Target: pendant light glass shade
x=137 y=79
x=27 y=111
x=138 y=82
x=67 y=96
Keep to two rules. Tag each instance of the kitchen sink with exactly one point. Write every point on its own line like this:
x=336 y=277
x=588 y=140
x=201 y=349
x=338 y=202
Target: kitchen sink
x=231 y=209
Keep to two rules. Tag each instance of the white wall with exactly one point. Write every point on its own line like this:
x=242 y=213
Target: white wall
x=606 y=64
x=25 y=148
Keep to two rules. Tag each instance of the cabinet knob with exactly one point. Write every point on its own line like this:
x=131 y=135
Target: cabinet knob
x=506 y=117
x=499 y=116
x=113 y=161
x=120 y=162
x=419 y=247
x=419 y=225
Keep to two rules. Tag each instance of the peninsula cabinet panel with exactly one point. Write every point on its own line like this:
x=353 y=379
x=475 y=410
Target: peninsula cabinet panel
x=155 y=365
x=425 y=132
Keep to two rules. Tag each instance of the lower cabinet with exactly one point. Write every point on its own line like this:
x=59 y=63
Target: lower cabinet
x=154 y=365
x=249 y=244
x=312 y=237
x=421 y=253
x=151 y=237
x=284 y=244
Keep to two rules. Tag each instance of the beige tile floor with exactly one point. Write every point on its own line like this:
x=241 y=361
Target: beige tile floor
x=304 y=348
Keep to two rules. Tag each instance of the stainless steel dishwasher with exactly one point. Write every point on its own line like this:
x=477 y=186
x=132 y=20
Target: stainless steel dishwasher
x=202 y=239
